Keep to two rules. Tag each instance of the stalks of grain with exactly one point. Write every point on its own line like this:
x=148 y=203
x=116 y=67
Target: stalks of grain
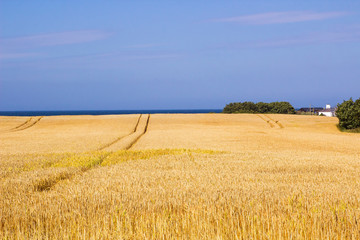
x=190 y=177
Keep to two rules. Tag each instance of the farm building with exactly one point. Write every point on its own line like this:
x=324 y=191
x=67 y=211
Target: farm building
x=328 y=111
x=313 y=110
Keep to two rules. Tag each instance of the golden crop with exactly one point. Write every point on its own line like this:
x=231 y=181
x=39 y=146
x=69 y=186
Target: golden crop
x=178 y=176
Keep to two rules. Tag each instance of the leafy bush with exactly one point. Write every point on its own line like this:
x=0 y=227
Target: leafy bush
x=260 y=107
x=348 y=114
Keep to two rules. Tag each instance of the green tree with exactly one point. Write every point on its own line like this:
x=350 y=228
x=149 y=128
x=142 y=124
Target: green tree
x=263 y=107
x=348 y=114
x=248 y=107
x=260 y=107
x=281 y=107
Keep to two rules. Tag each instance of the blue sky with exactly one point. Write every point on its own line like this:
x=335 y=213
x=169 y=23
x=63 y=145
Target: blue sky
x=80 y=55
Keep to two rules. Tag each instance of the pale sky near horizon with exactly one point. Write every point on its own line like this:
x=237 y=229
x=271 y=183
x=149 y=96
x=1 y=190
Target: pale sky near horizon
x=120 y=55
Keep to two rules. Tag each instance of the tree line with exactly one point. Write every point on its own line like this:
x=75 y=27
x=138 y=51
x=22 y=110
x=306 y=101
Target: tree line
x=260 y=107
x=348 y=114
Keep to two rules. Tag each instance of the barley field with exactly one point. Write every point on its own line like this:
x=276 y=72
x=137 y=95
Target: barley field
x=178 y=176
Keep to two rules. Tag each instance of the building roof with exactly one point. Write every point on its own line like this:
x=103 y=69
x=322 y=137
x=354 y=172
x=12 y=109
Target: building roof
x=316 y=109
x=328 y=110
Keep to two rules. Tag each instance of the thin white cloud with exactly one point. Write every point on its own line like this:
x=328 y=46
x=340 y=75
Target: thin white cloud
x=316 y=38
x=54 y=39
x=154 y=56
x=281 y=17
x=350 y=34
x=99 y=61
x=8 y=56
x=124 y=56
x=148 y=45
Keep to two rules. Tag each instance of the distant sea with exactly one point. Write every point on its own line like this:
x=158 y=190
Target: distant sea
x=104 y=112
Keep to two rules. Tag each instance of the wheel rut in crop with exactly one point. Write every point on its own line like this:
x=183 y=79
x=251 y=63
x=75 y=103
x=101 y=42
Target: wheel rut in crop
x=277 y=122
x=270 y=121
x=142 y=134
x=27 y=124
x=128 y=141
x=131 y=139
x=48 y=182
x=267 y=121
x=121 y=137
x=19 y=126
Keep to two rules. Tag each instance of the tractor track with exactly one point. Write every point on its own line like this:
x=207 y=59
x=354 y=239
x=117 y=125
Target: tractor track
x=275 y=121
x=267 y=121
x=32 y=124
x=121 y=137
x=134 y=133
x=142 y=134
x=49 y=183
x=25 y=125
x=57 y=179
x=15 y=128
x=19 y=126
x=137 y=123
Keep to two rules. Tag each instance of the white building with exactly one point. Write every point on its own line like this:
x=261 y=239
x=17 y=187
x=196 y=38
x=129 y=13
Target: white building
x=328 y=111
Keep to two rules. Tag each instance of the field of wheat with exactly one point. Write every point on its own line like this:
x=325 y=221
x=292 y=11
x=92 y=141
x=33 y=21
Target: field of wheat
x=178 y=176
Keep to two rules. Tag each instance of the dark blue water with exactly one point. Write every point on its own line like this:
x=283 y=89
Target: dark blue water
x=104 y=112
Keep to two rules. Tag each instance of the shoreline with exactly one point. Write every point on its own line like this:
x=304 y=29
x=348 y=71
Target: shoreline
x=104 y=112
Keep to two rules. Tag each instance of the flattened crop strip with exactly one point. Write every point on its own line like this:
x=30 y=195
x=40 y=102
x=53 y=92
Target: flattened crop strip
x=32 y=124
x=267 y=121
x=121 y=137
x=277 y=122
x=137 y=123
x=78 y=164
x=81 y=162
x=45 y=184
x=85 y=163
x=28 y=124
x=19 y=126
x=142 y=134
